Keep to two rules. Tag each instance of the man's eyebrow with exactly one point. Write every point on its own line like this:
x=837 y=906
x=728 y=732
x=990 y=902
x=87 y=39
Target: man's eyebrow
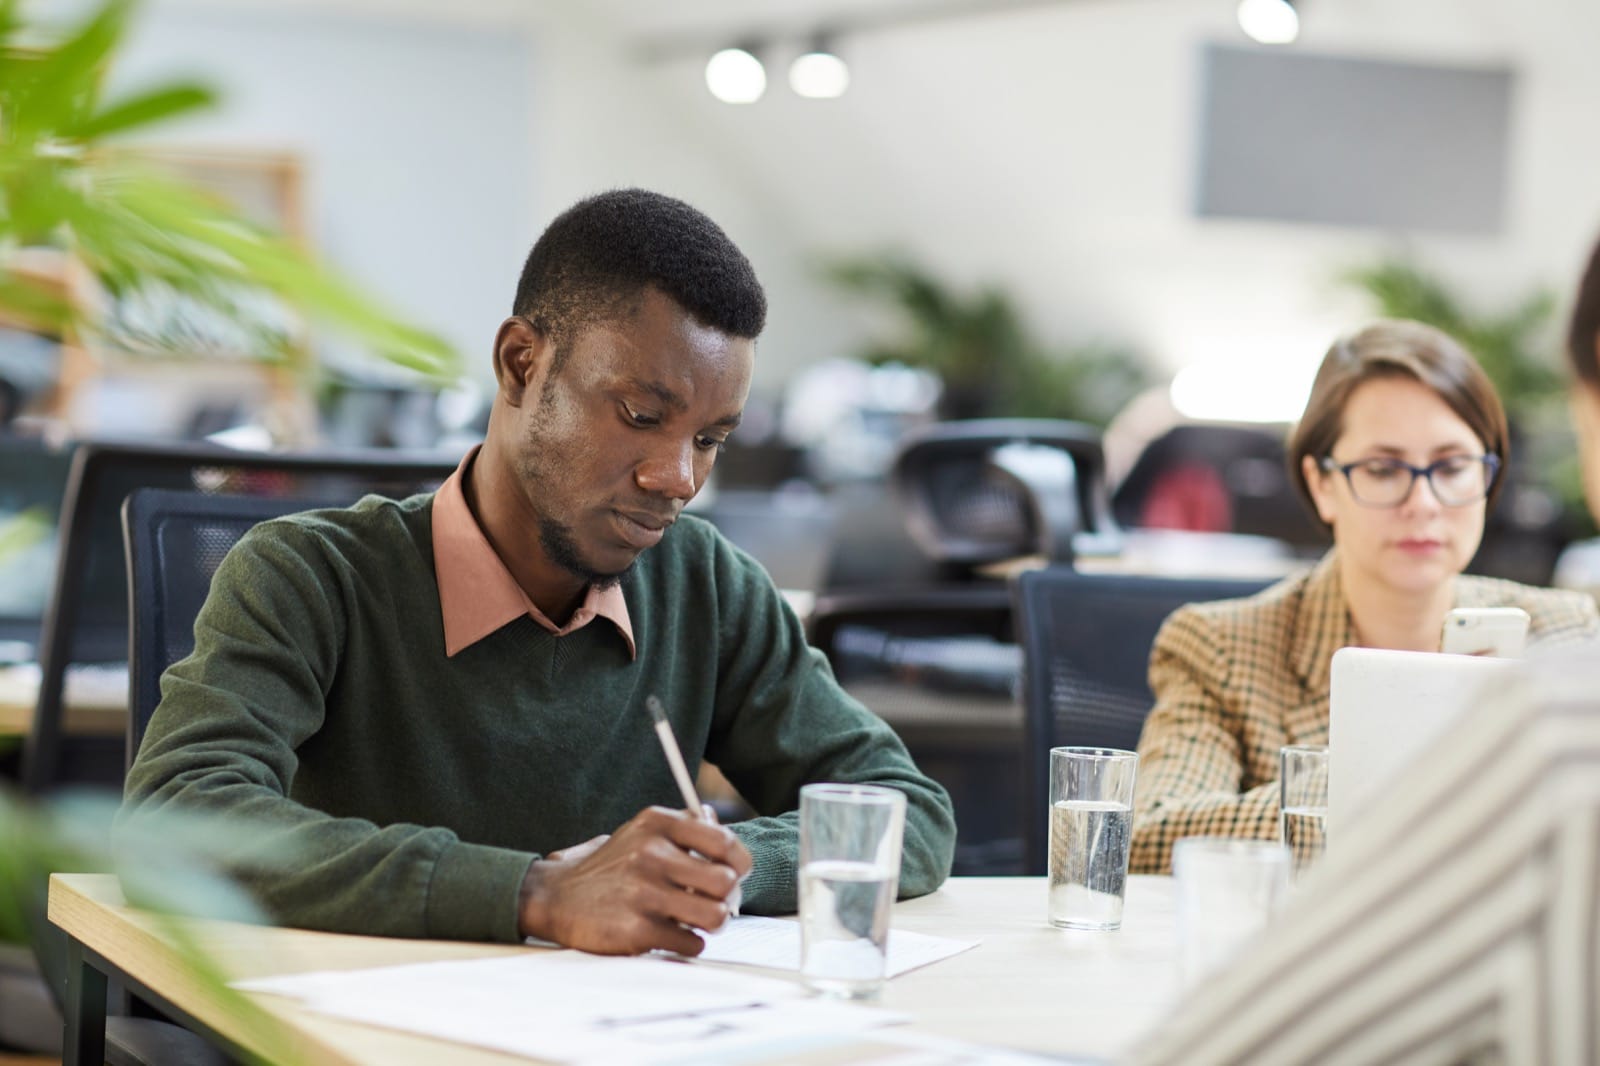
x=730 y=421
x=660 y=392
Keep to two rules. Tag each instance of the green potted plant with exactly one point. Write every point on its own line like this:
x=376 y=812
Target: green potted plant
x=78 y=198
x=983 y=351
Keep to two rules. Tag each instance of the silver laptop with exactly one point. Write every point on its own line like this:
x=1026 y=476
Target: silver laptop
x=1385 y=707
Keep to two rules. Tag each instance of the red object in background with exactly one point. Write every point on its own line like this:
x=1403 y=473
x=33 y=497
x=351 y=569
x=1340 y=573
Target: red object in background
x=1188 y=496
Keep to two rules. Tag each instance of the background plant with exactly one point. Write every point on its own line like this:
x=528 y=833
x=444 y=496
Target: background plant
x=70 y=182
x=1516 y=349
x=983 y=350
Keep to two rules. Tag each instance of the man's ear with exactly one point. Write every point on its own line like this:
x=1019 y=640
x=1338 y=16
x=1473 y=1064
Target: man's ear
x=522 y=355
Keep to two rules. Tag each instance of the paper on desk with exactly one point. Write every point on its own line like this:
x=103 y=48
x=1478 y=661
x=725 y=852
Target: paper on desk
x=775 y=943
x=572 y=1007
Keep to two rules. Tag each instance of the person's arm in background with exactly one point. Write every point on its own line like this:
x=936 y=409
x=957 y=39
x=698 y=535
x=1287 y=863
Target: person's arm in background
x=1454 y=923
x=1191 y=766
x=783 y=721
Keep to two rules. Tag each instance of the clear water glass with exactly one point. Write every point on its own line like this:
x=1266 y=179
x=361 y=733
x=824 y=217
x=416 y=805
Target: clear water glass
x=1303 y=803
x=850 y=838
x=1227 y=891
x=1091 y=822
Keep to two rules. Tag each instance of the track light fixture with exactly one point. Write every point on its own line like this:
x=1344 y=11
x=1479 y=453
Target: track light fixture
x=818 y=73
x=736 y=76
x=1269 y=21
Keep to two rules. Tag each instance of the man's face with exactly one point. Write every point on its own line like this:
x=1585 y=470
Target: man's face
x=613 y=444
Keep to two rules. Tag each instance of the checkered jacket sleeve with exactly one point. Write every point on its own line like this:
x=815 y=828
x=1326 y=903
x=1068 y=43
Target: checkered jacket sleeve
x=1193 y=766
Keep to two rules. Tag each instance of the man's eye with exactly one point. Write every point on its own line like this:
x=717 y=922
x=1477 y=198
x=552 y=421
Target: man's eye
x=639 y=418
x=707 y=444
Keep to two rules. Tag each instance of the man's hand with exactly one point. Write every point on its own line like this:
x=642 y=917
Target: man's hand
x=637 y=890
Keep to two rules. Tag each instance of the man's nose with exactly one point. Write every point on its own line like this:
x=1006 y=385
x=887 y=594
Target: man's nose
x=669 y=472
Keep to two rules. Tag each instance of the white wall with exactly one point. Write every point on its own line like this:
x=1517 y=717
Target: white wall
x=1050 y=149
x=414 y=136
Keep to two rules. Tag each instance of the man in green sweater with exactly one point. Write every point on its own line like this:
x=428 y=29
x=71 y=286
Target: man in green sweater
x=436 y=707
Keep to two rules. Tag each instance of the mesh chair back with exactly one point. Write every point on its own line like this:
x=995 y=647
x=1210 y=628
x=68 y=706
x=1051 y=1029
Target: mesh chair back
x=87 y=618
x=175 y=542
x=965 y=503
x=1086 y=641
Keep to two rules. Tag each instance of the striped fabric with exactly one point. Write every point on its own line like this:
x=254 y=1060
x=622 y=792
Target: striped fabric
x=1458 y=923
x=1237 y=680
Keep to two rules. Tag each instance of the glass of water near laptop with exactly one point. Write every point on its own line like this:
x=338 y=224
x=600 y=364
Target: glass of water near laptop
x=850 y=839
x=1091 y=820
x=1303 y=803
x=1227 y=891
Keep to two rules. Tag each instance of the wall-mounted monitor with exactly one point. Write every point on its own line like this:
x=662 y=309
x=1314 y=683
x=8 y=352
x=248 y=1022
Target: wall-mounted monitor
x=1298 y=137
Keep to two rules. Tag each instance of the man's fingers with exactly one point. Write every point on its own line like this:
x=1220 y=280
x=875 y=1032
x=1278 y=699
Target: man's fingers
x=686 y=908
x=713 y=841
x=671 y=936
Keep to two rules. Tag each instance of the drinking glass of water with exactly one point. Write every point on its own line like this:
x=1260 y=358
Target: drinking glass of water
x=1227 y=891
x=849 y=872
x=1091 y=816
x=1303 y=803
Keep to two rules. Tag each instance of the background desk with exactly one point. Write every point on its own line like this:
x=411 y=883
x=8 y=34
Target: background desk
x=1026 y=986
x=96 y=701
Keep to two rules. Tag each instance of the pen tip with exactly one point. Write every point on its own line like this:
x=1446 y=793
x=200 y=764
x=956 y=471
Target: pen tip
x=658 y=712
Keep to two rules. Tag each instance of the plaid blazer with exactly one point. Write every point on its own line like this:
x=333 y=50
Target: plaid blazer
x=1236 y=680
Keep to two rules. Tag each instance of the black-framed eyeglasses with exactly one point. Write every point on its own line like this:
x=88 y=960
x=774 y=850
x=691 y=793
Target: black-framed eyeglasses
x=1456 y=480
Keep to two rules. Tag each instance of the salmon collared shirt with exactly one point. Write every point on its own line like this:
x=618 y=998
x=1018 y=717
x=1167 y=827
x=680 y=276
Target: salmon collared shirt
x=478 y=595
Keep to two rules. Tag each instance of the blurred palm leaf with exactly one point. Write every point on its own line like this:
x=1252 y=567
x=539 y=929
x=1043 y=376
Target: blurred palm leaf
x=139 y=232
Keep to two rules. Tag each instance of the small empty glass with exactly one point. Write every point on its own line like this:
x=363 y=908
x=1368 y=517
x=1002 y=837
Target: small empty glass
x=1091 y=819
x=849 y=871
x=1227 y=890
x=1303 y=803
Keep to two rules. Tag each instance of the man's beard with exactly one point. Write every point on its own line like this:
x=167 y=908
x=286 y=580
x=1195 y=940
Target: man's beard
x=561 y=548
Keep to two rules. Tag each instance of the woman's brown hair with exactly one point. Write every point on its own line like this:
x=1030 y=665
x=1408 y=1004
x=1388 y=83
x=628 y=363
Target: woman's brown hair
x=1396 y=348
x=1583 y=339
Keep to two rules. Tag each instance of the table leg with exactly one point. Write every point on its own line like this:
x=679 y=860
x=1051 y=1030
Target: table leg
x=84 y=1041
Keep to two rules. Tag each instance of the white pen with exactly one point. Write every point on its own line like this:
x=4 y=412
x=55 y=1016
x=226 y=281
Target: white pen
x=669 y=745
x=680 y=773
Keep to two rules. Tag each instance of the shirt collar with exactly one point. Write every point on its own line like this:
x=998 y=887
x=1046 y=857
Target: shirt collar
x=478 y=595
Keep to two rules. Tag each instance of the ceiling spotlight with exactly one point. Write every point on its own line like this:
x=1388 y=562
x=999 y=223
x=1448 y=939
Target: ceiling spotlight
x=1269 y=21
x=736 y=76
x=819 y=74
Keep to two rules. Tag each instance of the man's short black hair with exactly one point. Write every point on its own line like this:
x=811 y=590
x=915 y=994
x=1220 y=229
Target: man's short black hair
x=595 y=261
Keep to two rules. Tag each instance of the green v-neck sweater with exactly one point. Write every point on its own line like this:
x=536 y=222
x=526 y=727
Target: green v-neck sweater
x=405 y=793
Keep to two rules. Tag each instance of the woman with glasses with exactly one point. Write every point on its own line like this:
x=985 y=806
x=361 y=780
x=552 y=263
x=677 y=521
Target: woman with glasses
x=1399 y=453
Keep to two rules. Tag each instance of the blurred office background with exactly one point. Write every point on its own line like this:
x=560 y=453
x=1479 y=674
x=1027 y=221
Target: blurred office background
x=1129 y=217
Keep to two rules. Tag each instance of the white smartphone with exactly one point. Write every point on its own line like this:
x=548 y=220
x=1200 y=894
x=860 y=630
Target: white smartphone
x=1499 y=632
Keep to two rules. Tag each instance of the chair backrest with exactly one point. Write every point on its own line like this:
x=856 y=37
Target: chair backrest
x=87 y=618
x=175 y=541
x=988 y=489
x=939 y=664
x=1086 y=641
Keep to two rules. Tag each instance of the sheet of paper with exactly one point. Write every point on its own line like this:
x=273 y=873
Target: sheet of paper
x=572 y=1007
x=775 y=943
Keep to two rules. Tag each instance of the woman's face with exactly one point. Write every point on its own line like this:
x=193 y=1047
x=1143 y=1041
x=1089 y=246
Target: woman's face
x=1420 y=544
x=1586 y=414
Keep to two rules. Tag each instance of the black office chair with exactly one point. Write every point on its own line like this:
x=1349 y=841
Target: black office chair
x=175 y=541
x=989 y=489
x=86 y=621
x=1086 y=642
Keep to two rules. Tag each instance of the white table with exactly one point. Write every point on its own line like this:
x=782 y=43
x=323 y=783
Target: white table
x=1026 y=986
